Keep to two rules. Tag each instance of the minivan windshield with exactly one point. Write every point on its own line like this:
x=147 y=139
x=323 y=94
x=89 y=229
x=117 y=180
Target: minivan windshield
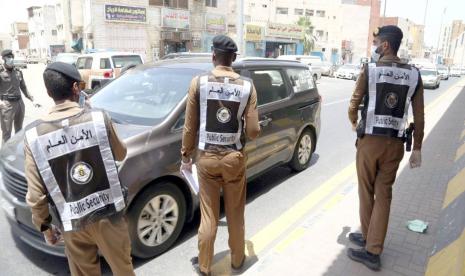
x=146 y=96
x=122 y=61
x=428 y=73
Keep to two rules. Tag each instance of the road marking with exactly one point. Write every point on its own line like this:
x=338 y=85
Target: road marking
x=460 y=152
x=293 y=236
x=455 y=188
x=462 y=135
x=337 y=102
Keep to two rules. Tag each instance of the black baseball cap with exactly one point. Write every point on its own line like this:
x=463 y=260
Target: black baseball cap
x=66 y=69
x=7 y=52
x=390 y=31
x=224 y=44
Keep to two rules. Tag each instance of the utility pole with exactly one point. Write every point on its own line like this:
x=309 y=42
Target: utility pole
x=384 y=13
x=426 y=11
x=240 y=26
x=439 y=36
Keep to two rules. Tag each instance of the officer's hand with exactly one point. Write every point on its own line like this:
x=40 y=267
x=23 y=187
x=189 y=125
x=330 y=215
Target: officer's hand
x=52 y=235
x=31 y=98
x=186 y=166
x=415 y=159
x=2 y=104
x=35 y=104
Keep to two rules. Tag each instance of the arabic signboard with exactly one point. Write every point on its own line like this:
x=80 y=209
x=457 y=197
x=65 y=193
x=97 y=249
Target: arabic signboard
x=284 y=30
x=253 y=33
x=215 y=23
x=178 y=19
x=120 y=13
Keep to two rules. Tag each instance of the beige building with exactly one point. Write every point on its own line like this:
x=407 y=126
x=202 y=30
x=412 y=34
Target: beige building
x=458 y=58
x=416 y=48
x=19 y=38
x=448 y=38
x=5 y=41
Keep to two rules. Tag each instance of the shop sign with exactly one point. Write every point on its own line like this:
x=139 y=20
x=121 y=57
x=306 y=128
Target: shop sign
x=284 y=30
x=120 y=13
x=178 y=19
x=253 y=33
x=215 y=23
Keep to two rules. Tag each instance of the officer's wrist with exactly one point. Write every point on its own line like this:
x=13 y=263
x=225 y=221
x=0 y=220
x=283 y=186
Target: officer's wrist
x=186 y=160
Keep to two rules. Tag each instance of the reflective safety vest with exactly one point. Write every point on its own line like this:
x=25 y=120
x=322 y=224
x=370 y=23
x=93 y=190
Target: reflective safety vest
x=222 y=105
x=390 y=91
x=77 y=166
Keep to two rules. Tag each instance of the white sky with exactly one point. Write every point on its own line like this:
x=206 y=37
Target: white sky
x=413 y=9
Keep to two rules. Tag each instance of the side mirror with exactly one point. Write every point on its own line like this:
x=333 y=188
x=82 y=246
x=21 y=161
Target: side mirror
x=74 y=64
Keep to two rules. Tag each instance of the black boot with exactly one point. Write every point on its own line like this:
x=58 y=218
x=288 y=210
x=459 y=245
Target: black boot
x=357 y=238
x=372 y=261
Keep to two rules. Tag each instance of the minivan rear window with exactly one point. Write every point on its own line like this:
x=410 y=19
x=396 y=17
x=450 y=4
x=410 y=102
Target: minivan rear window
x=122 y=61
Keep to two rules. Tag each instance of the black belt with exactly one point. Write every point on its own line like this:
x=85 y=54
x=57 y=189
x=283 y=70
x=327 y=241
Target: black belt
x=10 y=98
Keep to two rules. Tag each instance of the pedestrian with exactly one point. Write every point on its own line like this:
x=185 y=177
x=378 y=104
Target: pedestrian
x=387 y=87
x=11 y=103
x=70 y=165
x=221 y=108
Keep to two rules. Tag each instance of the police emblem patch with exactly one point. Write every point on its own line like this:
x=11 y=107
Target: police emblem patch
x=223 y=115
x=81 y=173
x=391 y=100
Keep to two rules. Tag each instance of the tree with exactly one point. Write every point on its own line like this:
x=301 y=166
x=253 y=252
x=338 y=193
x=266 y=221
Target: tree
x=309 y=41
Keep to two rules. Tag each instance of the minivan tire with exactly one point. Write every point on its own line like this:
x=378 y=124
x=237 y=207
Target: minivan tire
x=305 y=143
x=162 y=190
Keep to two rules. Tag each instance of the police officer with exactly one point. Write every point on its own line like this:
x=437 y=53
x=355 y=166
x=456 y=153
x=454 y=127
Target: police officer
x=11 y=104
x=387 y=86
x=70 y=164
x=222 y=109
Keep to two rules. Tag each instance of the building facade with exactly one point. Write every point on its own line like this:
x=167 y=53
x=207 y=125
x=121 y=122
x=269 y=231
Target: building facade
x=448 y=40
x=43 y=31
x=19 y=38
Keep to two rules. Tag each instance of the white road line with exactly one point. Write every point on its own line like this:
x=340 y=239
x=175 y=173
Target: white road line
x=336 y=102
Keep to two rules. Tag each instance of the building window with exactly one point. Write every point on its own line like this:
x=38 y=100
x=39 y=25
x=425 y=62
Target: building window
x=282 y=10
x=42 y=33
x=252 y=4
x=320 y=33
x=54 y=32
x=299 y=12
x=265 y=6
x=156 y=2
x=320 y=13
x=309 y=12
x=211 y=3
x=180 y=4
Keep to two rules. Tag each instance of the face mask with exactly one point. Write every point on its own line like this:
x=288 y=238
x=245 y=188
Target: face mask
x=375 y=56
x=9 y=62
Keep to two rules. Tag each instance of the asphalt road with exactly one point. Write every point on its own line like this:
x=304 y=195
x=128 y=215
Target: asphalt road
x=268 y=196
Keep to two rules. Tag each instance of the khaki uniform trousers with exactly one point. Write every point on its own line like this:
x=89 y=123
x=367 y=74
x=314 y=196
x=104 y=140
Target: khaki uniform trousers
x=110 y=238
x=378 y=159
x=218 y=173
x=11 y=113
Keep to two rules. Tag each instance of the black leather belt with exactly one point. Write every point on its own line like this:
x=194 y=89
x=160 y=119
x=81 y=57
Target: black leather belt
x=9 y=98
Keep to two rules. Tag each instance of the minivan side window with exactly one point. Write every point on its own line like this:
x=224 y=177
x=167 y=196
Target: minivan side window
x=270 y=86
x=301 y=79
x=88 y=64
x=105 y=63
x=81 y=63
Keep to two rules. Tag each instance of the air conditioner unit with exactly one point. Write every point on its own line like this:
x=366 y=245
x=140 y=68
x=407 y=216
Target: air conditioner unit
x=88 y=35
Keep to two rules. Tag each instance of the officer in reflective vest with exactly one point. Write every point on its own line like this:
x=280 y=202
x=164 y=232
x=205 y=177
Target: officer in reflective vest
x=387 y=86
x=221 y=109
x=70 y=166
x=11 y=104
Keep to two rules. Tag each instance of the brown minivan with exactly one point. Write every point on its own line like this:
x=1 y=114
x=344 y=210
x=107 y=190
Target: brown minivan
x=147 y=106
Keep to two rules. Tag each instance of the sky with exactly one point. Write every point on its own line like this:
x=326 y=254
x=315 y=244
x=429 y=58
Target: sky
x=411 y=9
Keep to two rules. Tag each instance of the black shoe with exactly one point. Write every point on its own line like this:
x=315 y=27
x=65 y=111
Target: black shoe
x=196 y=267
x=372 y=261
x=236 y=268
x=357 y=238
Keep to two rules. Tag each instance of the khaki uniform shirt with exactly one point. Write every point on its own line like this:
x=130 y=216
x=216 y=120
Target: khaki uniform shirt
x=12 y=83
x=191 y=124
x=36 y=196
x=361 y=89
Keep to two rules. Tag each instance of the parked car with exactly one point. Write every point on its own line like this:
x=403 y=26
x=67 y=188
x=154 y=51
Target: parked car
x=348 y=71
x=70 y=58
x=430 y=77
x=20 y=62
x=33 y=59
x=443 y=72
x=327 y=69
x=147 y=105
x=455 y=72
x=313 y=61
x=97 y=69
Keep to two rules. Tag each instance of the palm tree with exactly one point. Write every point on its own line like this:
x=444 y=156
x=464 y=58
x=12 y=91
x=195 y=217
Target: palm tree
x=309 y=41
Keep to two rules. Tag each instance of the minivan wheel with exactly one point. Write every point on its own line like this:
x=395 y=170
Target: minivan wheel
x=303 y=151
x=156 y=219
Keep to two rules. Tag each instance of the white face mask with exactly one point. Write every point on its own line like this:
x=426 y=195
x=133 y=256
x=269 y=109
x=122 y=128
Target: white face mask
x=9 y=62
x=374 y=55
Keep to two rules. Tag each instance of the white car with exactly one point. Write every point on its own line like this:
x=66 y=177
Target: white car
x=348 y=71
x=314 y=62
x=455 y=72
x=443 y=72
x=430 y=77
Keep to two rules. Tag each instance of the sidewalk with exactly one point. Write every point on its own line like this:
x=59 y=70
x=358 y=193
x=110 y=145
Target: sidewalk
x=318 y=244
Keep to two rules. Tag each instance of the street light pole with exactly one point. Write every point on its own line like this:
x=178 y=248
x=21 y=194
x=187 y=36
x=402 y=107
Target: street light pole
x=384 y=13
x=240 y=26
x=439 y=36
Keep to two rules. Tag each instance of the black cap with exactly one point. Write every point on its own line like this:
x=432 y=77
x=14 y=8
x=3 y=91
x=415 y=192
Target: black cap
x=389 y=30
x=7 y=52
x=224 y=43
x=66 y=69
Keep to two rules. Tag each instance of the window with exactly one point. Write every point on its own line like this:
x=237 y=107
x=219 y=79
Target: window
x=54 y=32
x=282 y=10
x=88 y=64
x=80 y=63
x=105 y=63
x=180 y=123
x=265 y=6
x=299 y=12
x=156 y=2
x=320 y=13
x=182 y=4
x=42 y=33
x=211 y=3
x=269 y=85
x=309 y=12
x=252 y=4
x=122 y=61
x=320 y=34
x=301 y=79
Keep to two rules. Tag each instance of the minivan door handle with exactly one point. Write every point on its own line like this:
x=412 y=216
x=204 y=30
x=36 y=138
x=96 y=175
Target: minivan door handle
x=266 y=121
